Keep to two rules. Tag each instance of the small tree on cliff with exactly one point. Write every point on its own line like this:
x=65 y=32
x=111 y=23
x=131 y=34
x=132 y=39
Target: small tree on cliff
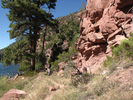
x=27 y=18
x=83 y=7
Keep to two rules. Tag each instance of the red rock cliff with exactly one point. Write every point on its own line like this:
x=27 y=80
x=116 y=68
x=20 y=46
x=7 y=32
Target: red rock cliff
x=101 y=26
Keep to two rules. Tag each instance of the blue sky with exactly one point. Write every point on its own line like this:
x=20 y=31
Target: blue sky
x=63 y=8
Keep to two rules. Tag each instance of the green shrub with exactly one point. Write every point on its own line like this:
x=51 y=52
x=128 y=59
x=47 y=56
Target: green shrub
x=120 y=54
x=64 y=57
x=40 y=61
x=83 y=78
x=76 y=79
x=55 y=65
x=3 y=83
x=74 y=39
x=30 y=73
x=124 y=49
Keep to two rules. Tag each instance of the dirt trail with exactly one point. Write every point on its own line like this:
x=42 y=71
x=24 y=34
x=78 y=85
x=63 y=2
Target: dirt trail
x=50 y=96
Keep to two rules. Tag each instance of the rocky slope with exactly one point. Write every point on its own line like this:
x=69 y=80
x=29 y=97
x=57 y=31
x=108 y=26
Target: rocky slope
x=103 y=23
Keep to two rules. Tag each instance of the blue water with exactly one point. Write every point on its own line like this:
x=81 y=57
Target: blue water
x=11 y=70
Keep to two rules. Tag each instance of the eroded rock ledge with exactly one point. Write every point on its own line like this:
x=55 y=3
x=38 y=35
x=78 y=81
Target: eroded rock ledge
x=101 y=26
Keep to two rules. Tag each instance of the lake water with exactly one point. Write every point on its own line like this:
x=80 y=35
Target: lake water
x=11 y=70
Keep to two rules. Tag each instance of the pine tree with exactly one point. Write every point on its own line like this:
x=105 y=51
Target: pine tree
x=83 y=7
x=27 y=19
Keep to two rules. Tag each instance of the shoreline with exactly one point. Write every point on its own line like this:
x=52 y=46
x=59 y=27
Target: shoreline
x=9 y=71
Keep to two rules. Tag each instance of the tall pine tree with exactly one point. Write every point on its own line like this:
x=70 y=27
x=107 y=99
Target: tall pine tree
x=27 y=19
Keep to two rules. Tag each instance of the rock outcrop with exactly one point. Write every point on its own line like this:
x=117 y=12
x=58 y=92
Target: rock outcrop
x=13 y=94
x=103 y=23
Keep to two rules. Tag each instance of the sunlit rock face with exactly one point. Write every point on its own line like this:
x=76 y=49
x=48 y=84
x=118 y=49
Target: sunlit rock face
x=13 y=94
x=102 y=24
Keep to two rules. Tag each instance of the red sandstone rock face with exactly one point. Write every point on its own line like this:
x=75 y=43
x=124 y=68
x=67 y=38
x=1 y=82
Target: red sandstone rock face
x=101 y=26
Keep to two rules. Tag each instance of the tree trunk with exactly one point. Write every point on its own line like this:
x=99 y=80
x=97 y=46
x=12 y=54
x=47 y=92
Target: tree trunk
x=32 y=66
x=31 y=46
x=33 y=51
x=33 y=43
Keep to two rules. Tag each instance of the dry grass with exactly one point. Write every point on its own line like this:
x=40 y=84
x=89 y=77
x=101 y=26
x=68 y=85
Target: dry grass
x=100 y=87
x=6 y=84
x=38 y=88
x=116 y=86
x=119 y=93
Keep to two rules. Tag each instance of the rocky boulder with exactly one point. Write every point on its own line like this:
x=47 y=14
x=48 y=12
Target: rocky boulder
x=52 y=88
x=13 y=94
x=103 y=23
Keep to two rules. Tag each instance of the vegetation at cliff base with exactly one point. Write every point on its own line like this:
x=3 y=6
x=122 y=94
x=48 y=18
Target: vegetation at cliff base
x=122 y=55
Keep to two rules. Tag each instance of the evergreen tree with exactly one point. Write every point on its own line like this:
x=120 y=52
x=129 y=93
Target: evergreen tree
x=27 y=19
x=83 y=7
x=67 y=31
